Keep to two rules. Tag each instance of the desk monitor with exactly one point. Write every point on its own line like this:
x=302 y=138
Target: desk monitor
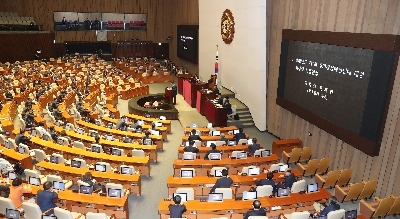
x=163 y=118
x=92 y=133
x=80 y=131
x=189 y=156
x=100 y=167
x=312 y=187
x=140 y=122
x=282 y=168
x=187 y=173
x=241 y=155
x=7 y=144
x=96 y=148
x=155 y=132
x=231 y=143
x=85 y=189
x=126 y=170
x=215 y=197
x=12 y=175
x=34 y=132
x=59 y=185
x=76 y=163
x=12 y=214
x=110 y=125
x=53 y=159
x=34 y=181
x=127 y=139
x=68 y=128
x=209 y=125
x=194 y=125
x=208 y=144
x=249 y=141
x=218 y=173
x=114 y=193
x=282 y=192
x=187 y=143
x=216 y=133
x=148 y=141
x=158 y=124
x=236 y=131
x=182 y=195
x=60 y=141
x=215 y=156
x=48 y=217
x=249 y=195
x=21 y=150
x=116 y=151
x=254 y=171
x=110 y=137
x=350 y=214
x=45 y=137
x=265 y=153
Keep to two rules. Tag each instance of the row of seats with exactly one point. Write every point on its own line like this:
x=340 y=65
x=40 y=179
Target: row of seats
x=32 y=211
x=297 y=155
x=356 y=191
x=379 y=208
x=335 y=177
x=314 y=166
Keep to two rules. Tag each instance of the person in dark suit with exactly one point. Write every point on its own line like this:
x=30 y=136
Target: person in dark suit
x=177 y=209
x=253 y=147
x=121 y=124
x=45 y=198
x=268 y=181
x=215 y=90
x=257 y=210
x=228 y=107
x=224 y=182
x=87 y=178
x=64 y=21
x=174 y=92
x=219 y=99
x=290 y=178
x=331 y=205
x=240 y=135
x=193 y=136
x=191 y=148
x=53 y=134
x=213 y=150
x=21 y=138
x=223 y=138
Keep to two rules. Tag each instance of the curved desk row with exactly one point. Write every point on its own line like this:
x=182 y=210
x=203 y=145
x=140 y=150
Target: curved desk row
x=205 y=130
x=132 y=182
x=104 y=130
x=134 y=92
x=240 y=183
x=202 y=167
x=230 y=208
x=226 y=150
x=142 y=163
x=87 y=140
x=166 y=123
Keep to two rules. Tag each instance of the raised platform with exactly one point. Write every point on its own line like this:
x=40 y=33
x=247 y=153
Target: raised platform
x=136 y=106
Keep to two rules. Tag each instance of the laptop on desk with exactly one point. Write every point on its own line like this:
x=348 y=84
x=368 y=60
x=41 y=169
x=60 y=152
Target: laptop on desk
x=215 y=197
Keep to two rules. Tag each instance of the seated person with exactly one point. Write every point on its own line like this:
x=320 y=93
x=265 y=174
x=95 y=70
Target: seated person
x=21 y=138
x=240 y=135
x=64 y=134
x=224 y=182
x=253 y=147
x=268 y=181
x=53 y=133
x=135 y=124
x=228 y=107
x=290 y=178
x=223 y=138
x=213 y=150
x=257 y=210
x=45 y=198
x=219 y=99
x=177 y=209
x=331 y=205
x=146 y=136
x=87 y=178
x=191 y=148
x=17 y=191
x=215 y=89
x=193 y=136
x=121 y=124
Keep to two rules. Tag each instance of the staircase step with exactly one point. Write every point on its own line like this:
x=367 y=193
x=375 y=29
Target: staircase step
x=248 y=125
x=246 y=116
x=242 y=110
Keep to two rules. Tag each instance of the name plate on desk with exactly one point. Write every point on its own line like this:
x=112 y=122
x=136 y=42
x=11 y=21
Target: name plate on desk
x=134 y=184
x=230 y=211
x=193 y=212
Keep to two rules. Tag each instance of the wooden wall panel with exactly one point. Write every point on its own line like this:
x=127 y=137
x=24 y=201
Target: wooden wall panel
x=162 y=18
x=22 y=47
x=367 y=16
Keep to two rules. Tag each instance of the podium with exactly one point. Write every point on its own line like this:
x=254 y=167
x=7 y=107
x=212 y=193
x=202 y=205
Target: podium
x=287 y=145
x=168 y=95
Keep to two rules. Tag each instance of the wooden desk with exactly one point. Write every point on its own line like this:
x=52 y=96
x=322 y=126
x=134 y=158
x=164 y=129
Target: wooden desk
x=278 y=146
x=25 y=159
x=198 y=183
x=236 y=209
x=233 y=165
x=132 y=182
x=87 y=140
x=215 y=114
x=205 y=138
x=166 y=123
x=205 y=130
x=105 y=130
x=226 y=150
x=162 y=129
x=143 y=163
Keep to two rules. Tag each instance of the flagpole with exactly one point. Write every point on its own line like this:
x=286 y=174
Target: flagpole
x=216 y=66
